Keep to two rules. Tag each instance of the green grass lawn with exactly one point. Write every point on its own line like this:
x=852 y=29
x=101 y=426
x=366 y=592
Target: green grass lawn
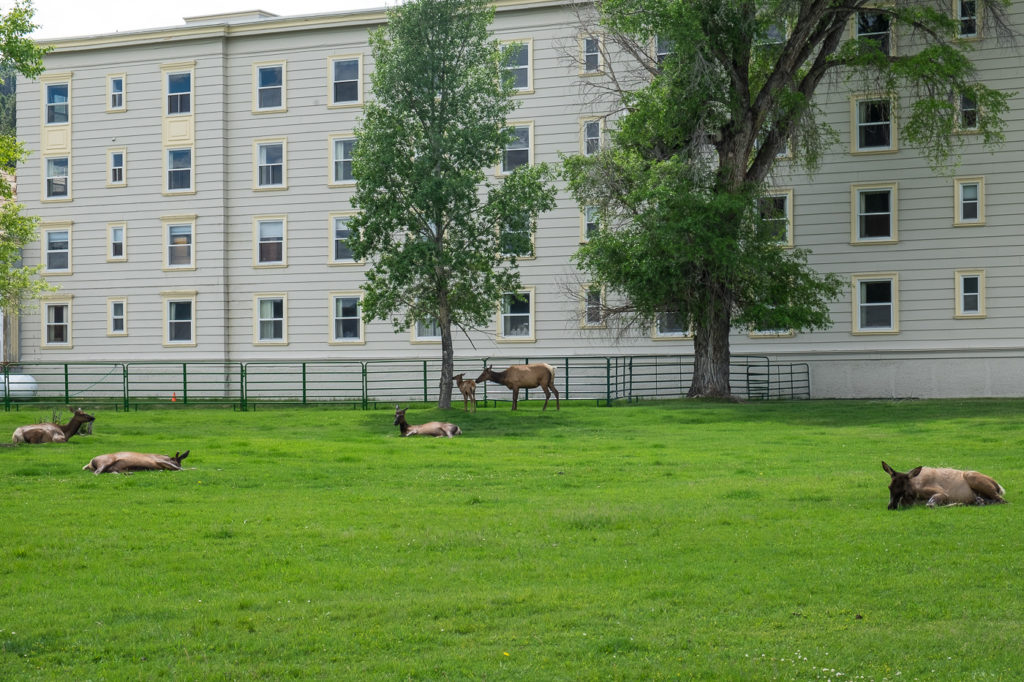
x=668 y=540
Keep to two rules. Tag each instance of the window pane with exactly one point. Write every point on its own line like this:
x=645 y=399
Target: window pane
x=57 y=103
x=346 y=80
x=342 y=252
x=179 y=314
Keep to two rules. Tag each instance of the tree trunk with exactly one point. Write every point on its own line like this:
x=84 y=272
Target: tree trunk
x=444 y=394
x=711 y=354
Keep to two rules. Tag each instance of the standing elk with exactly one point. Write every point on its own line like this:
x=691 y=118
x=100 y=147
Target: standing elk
x=435 y=429
x=468 y=389
x=123 y=462
x=941 y=487
x=49 y=432
x=525 y=376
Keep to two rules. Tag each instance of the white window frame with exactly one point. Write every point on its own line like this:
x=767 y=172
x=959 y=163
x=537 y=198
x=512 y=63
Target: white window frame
x=506 y=298
x=975 y=19
x=331 y=102
x=170 y=298
x=856 y=193
x=587 y=304
x=961 y=203
x=890 y=35
x=257 y=88
x=53 y=303
x=856 y=125
x=787 y=194
x=257 y=241
x=168 y=73
x=529 y=255
x=45 y=230
x=112 y=107
x=50 y=108
x=112 y=316
x=331 y=307
x=588 y=216
x=168 y=152
x=333 y=142
x=257 y=331
x=585 y=51
x=590 y=144
x=258 y=163
x=111 y=241
x=858 y=328
x=47 y=178
x=527 y=44
x=179 y=221
x=963 y=112
x=503 y=169
x=662 y=48
x=112 y=181
x=418 y=338
x=331 y=238
x=659 y=333
x=961 y=311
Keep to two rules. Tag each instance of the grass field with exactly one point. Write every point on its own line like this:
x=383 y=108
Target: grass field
x=669 y=540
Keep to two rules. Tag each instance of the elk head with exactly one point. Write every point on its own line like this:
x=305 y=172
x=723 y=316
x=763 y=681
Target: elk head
x=901 y=489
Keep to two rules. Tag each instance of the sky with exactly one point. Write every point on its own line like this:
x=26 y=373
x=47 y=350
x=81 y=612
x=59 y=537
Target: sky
x=75 y=18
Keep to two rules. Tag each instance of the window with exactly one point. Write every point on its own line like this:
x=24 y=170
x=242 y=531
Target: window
x=970 y=201
x=270 y=321
x=342 y=149
x=179 y=236
x=57 y=246
x=115 y=93
x=518 y=152
x=874 y=125
x=776 y=211
x=179 y=170
x=270 y=241
x=516 y=237
x=116 y=314
x=874 y=27
x=591 y=137
x=517 y=66
x=874 y=213
x=663 y=47
x=179 y=92
x=180 y=318
x=346 y=318
x=58 y=180
x=115 y=168
x=589 y=224
x=341 y=252
x=427 y=331
x=58 y=102
x=591 y=55
x=116 y=242
x=269 y=87
x=593 y=308
x=875 y=306
x=270 y=160
x=668 y=325
x=515 y=319
x=970 y=293
x=967 y=13
x=345 y=77
x=968 y=114
x=57 y=323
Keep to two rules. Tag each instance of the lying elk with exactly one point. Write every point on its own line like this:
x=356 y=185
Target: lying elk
x=49 y=432
x=525 y=376
x=468 y=389
x=435 y=429
x=121 y=462
x=941 y=487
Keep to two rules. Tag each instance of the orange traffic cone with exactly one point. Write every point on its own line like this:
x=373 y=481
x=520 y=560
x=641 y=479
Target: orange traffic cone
x=174 y=397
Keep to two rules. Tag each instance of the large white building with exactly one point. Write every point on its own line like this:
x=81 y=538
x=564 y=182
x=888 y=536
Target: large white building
x=193 y=185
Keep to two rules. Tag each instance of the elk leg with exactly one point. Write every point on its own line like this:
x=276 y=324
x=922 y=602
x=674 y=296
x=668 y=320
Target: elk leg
x=515 y=398
x=983 y=486
x=939 y=499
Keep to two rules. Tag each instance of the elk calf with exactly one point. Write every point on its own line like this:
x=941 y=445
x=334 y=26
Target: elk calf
x=435 y=429
x=122 y=462
x=941 y=487
x=468 y=389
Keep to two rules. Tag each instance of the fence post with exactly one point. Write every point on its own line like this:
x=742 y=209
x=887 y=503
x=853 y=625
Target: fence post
x=67 y=385
x=424 y=381
x=607 y=382
x=7 y=387
x=125 y=395
x=366 y=397
x=184 y=382
x=303 y=383
x=566 y=377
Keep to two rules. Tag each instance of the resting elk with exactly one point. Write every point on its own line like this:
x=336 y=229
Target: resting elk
x=468 y=389
x=525 y=376
x=941 y=487
x=122 y=462
x=48 y=432
x=435 y=429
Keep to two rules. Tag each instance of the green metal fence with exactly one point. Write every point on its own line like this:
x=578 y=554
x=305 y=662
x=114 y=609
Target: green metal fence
x=367 y=383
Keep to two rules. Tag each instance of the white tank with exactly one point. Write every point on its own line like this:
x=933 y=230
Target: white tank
x=22 y=386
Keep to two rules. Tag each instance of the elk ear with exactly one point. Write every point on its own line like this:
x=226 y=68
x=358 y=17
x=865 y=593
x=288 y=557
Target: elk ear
x=914 y=472
x=184 y=455
x=888 y=469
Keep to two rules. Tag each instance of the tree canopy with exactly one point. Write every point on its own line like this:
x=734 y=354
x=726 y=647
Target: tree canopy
x=682 y=188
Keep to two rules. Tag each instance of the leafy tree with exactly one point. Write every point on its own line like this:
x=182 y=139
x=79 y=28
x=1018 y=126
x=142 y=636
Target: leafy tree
x=700 y=129
x=430 y=221
x=17 y=53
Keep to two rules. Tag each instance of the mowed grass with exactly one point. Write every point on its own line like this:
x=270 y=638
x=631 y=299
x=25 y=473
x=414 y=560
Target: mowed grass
x=668 y=540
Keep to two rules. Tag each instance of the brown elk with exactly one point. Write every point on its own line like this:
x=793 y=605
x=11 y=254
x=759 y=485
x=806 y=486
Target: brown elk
x=49 y=432
x=468 y=389
x=124 y=462
x=525 y=376
x=941 y=487
x=435 y=429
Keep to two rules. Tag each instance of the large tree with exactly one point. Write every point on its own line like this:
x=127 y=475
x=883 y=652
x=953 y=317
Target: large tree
x=702 y=121
x=17 y=53
x=431 y=224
